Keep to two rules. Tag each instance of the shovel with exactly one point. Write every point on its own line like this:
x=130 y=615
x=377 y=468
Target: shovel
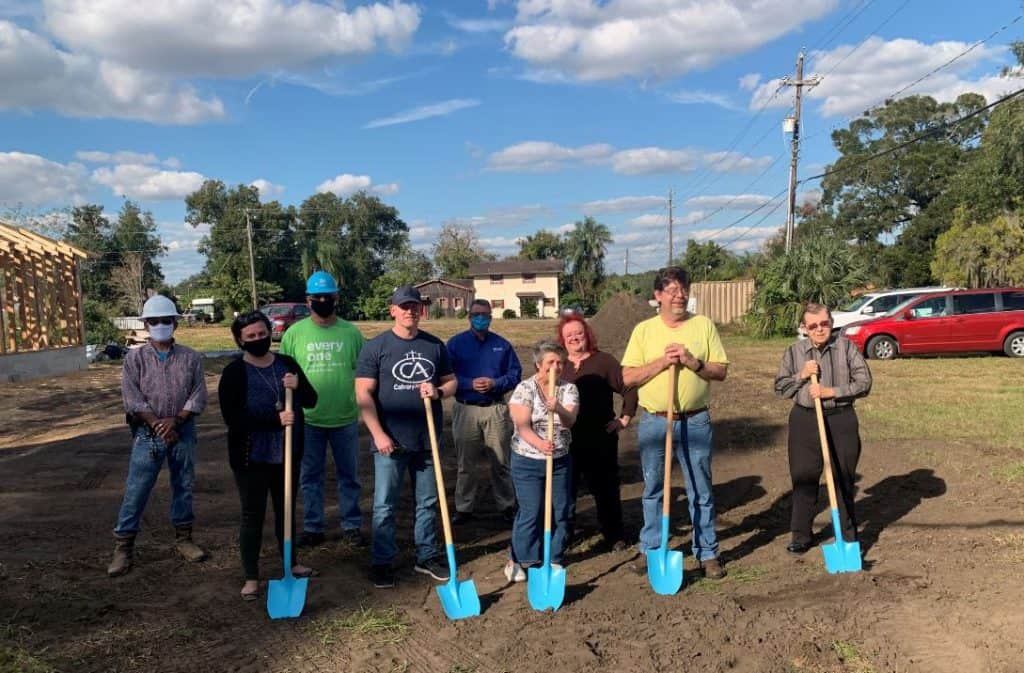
x=458 y=599
x=840 y=556
x=287 y=596
x=545 y=586
x=665 y=567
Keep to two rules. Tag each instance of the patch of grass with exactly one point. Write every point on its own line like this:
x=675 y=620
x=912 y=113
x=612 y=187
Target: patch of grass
x=1011 y=472
x=400 y=667
x=459 y=668
x=380 y=626
x=850 y=654
x=14 y=659
x=1013 y=545
x=736 y=575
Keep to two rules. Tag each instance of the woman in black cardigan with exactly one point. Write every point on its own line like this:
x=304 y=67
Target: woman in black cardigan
x=251 y=393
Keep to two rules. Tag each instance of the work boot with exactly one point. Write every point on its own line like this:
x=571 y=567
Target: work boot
x=713 y=570
x=188 y=549
x=124 y=549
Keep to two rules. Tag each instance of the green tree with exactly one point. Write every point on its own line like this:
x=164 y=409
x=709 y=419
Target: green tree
x=408 y=268
x=90 y=230
x=818 y=268
x=981 y=254
x=542 y=245
x=585 y=248
x=457 y=247
x=135 y=233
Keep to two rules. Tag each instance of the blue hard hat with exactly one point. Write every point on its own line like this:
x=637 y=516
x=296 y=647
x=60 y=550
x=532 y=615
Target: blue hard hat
x=321 y=282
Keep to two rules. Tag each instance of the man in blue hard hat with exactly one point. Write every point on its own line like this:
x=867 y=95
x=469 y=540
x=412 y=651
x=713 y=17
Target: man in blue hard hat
x=327 y=347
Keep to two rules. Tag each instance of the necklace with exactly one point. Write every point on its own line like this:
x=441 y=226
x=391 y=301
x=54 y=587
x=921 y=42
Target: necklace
x=273 y=386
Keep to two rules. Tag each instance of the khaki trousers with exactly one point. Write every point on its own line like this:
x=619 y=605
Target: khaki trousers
x=482 y=429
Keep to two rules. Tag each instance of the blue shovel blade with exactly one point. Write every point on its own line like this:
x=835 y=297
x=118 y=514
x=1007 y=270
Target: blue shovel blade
x=545 y=587
x=459 y=599
x=841 y=556
x=665 y=570
x=286 y=596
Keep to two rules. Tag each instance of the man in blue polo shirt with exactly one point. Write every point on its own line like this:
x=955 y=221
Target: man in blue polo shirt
x=486 y=367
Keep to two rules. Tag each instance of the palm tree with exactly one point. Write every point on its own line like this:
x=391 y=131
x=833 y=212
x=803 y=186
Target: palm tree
x=585 y=248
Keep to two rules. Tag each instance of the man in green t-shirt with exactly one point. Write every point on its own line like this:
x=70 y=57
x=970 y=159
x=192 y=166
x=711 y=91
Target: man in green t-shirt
x=327 y=348
x=691 y=343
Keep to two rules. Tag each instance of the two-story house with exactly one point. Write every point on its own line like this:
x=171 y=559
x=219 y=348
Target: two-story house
x=515 y=283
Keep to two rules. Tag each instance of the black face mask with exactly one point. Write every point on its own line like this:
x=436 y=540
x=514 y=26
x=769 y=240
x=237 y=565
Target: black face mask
x=257 y=348
x=323 y=307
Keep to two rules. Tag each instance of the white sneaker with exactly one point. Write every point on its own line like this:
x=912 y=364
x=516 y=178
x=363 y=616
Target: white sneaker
x=514 y=572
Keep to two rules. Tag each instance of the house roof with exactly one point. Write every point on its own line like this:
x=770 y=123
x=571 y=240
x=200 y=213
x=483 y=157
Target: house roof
x=465 y=284
x=511 y=266
x=22 y=240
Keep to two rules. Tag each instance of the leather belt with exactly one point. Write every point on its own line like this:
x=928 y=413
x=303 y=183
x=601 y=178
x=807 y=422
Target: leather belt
x=477 y=404
x=679 y=414
x=831 y=411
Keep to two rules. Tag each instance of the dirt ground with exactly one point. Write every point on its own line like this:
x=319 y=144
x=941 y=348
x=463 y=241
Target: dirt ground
x=941 y=592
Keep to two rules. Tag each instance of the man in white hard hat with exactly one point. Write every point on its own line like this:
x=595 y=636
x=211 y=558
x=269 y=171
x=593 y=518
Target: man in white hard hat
x=163 y=389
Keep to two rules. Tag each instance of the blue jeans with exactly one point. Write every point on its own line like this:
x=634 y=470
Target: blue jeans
x=147 y=459
x=344 y=443
x=528 y=475
x=387 y=484
x=691 y=439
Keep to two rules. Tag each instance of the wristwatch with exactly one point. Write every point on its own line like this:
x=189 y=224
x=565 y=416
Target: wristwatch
x=700 y=365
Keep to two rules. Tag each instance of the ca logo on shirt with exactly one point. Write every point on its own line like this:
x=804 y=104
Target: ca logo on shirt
x=412 y=369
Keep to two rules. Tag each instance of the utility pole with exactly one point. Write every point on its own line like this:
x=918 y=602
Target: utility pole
x=670 y=227
x=627 y=261
x=252 y=262
x=793 y=124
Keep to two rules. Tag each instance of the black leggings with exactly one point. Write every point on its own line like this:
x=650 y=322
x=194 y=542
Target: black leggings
x=595 y=459
x=254 y=482
x=806 y=466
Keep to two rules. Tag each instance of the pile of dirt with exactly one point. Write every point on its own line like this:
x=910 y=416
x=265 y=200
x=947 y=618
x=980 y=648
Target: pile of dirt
x=614 y=323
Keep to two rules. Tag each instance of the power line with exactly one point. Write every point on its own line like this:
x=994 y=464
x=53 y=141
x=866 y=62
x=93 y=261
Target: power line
x=853 y=13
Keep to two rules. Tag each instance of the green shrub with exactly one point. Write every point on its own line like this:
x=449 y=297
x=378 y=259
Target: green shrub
x=509 y=314
x=99 y=328
x=461 y=314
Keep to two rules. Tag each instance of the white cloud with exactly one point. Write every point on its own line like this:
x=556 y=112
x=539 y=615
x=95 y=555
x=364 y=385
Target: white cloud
x=32 y=180
x=35 y=74
x=565 y=228
x=182 y=258
x=267 y=188
x=486 y=25
x=442 y=109
x=697 y=97
x=347 y=184
x=125 y=157
x=750 y=82
x=422 y=234
x=647 y=160
x=540 y=156
x=147 y=183
x=228 y=39
x=500 y=244
x=623 y=204
x=731 y=201
x=660 y=220
x=882 y=67
x=505 y=217
x=591 y=40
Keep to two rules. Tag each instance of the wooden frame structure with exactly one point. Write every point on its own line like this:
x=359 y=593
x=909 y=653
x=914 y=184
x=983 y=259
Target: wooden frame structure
x=40 y=293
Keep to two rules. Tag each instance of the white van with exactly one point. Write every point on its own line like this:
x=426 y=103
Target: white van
x=875 y=304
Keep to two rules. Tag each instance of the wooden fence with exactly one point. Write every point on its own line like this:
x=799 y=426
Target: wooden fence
x=41 y=294
x=723 y=301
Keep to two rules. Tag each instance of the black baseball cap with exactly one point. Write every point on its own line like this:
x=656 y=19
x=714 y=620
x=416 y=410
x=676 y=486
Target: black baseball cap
x=405 y=294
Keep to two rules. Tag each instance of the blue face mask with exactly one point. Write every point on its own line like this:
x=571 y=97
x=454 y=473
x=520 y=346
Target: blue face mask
x=480 y=322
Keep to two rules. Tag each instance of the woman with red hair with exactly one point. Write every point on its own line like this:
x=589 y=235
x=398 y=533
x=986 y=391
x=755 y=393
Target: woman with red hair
x=595 y=436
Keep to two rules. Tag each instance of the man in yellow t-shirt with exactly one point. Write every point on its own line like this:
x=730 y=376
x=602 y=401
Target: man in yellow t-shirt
x=692 y=343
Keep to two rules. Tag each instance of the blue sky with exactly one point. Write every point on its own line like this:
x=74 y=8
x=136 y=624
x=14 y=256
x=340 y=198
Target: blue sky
x=513 y=116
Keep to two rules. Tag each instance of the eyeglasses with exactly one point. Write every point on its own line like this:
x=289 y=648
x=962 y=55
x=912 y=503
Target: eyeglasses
x=159 y=321
x=673 y=292
x=824 y=324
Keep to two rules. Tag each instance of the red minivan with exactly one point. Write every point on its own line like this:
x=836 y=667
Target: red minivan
x=961 y=321
x=282 y=315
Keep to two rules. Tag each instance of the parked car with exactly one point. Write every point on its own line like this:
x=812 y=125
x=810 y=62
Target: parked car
x=873 y=305
x=960 y=321
x=282 y=315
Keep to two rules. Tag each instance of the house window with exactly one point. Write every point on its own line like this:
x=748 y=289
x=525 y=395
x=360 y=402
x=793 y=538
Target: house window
x=497 y=279
x=497 y=303
x=529 y=278
x=458 y=302
x=443 y=301
x=549 y=301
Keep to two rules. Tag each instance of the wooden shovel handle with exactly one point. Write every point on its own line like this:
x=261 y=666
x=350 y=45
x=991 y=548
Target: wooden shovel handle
x=442 y=498
x=669 y=420
x=288 y=394
x=825 y=454
x=550 y=467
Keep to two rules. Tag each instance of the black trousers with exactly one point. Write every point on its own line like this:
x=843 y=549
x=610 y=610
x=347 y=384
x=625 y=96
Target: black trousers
x=806 y=466
x=254 y=483
x=595 y=459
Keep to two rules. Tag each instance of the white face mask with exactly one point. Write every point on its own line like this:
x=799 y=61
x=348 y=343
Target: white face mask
x=161 y=333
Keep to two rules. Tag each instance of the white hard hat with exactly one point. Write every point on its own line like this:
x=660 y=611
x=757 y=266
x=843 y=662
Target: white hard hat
x=159 y=306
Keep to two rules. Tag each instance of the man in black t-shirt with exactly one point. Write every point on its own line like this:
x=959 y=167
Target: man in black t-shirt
x=395 y=371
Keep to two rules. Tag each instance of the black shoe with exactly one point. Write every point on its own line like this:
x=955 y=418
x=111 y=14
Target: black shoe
x=383 y=577
x=798 y=547
x=509 y=515
x=310 y=539
x=713 y=570
x=353 y=537
x=461 y=517
x=433 y=568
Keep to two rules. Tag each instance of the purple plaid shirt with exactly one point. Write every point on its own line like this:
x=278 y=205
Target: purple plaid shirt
x=163 y=388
